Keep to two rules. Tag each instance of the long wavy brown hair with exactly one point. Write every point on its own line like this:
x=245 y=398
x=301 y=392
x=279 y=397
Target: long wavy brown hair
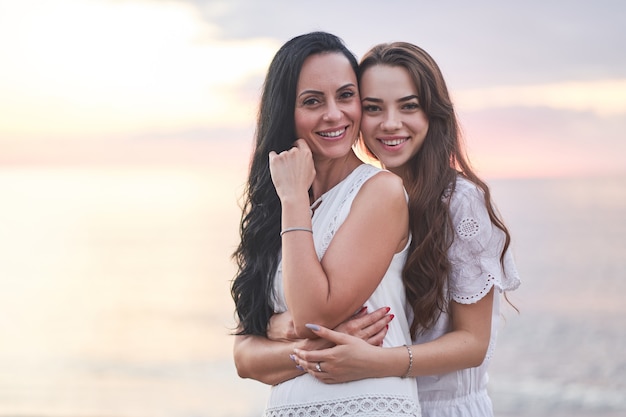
x=430 y=178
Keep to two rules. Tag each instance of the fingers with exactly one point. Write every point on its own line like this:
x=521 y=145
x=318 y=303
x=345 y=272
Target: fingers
x=377 y=339
x=327 y=374
x=367 y=326
x=312 y=368
x=361 y=313
x=330 y=335
x=301 y=144
x=377 y=318
x=376 y=331
x=292 y=171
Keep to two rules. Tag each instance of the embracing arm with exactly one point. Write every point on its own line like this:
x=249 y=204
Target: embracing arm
x=330 y=291
x=267 y=359
x=264 y=360
x=465 y=346
x=356 y=260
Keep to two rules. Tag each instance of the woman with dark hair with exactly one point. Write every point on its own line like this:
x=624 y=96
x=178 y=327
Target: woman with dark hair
x=322 y=233
x=459 y=261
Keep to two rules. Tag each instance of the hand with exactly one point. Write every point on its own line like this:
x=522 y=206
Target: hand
x=292 y=170
x=349 y=360
x=280 y=328
x=370 y=327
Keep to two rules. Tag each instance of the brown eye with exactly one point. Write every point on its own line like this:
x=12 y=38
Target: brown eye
x=311 y=101
x=371 y=108
x=347 y=94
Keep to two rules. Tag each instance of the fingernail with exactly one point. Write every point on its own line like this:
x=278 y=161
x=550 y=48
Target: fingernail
x=391 y=316
x=388 y=309
x=292 y=357
x=298 y=367
x=387 y=326
x=364 y=308
x=314 y=327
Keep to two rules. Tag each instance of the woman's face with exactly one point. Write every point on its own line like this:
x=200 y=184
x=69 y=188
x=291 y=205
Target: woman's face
x=394 y=125
x=328 y=109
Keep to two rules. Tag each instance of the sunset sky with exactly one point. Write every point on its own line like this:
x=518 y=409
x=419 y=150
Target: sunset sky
x=540 y=86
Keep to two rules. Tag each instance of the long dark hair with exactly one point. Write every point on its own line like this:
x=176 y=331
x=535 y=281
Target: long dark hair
x=257 y=254
x=430 y=180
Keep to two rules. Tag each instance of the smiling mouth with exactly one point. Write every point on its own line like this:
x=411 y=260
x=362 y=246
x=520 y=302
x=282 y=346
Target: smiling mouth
x=333 y=134
x=393 y=142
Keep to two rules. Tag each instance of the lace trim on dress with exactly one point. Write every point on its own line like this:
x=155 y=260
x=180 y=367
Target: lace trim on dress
x=470 y=299
x=476 y=250
x=356 y=185
x=490 y=350
x=372 y=406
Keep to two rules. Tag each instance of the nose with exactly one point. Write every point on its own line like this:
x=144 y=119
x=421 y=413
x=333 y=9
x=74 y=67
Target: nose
x=391 y=121
x=333 y=112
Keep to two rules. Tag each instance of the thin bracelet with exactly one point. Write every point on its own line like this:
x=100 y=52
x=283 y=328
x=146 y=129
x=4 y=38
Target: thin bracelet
x=408 y=371
x=294 y=229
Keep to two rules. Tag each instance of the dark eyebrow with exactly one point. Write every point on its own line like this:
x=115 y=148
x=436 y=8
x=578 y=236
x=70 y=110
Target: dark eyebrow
x=310 y=92
x=375 y=100
x=343 y=87
x=400 y=100
x=407 y=98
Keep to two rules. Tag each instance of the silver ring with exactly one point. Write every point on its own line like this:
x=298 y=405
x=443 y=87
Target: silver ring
x=318 y=367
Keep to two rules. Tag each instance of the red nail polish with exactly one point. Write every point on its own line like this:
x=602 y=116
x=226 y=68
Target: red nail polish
x=388 y=309
x=391 y=316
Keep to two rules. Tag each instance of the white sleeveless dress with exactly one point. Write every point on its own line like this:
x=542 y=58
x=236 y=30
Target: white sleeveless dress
x=388 y=397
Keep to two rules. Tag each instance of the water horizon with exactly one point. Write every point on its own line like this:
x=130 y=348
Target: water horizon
x=116 y=295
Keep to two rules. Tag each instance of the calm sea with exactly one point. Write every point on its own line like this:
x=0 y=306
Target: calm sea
x=115 y=295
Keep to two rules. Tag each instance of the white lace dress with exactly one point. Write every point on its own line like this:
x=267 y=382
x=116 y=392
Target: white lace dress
x=476 y=268
x=388 y=397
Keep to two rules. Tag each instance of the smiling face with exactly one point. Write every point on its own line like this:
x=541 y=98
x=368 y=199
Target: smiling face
x=328 y=110
x=394 y=125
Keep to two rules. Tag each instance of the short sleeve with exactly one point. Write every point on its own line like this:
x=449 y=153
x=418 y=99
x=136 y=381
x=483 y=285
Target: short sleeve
x=475 y=251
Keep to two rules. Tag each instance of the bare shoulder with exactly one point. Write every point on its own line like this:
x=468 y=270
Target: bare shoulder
x=384 y=184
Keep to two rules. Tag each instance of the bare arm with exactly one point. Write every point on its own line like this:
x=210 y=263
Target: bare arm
x=330 y=291
x=268 y=361
x=264 y=360
x=465 y=346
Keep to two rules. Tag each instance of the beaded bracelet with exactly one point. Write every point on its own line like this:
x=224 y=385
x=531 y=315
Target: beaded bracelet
x=294 y=229
x=408 y=371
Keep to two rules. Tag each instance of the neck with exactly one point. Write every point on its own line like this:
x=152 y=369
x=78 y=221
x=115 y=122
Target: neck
x=330 y=172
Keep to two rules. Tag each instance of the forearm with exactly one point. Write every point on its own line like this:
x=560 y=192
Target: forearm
x=305 y=282
x=264 y=360
x=451 y=352
x=354 y=359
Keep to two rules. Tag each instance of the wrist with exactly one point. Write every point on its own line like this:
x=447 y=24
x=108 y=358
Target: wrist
x=399 y=360
x=410 y=365
x=295 y=200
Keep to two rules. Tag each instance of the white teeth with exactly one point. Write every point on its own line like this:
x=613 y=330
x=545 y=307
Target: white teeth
x=393 y=142
x=332 y=134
